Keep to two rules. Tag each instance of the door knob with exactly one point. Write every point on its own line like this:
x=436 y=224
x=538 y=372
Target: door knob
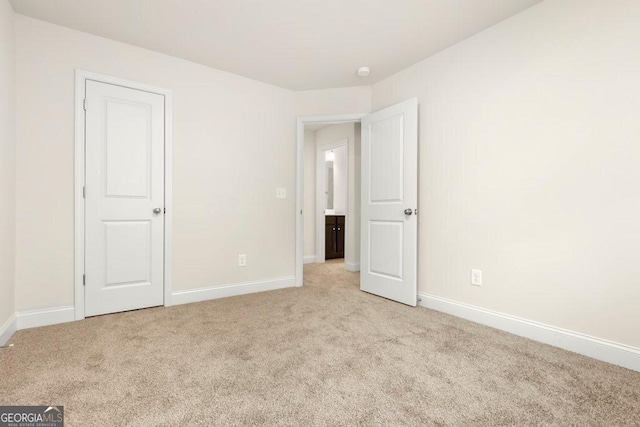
x=157 y=210
x=408 y=212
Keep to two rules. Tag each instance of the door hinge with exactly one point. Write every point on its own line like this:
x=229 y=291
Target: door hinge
x=84 y=280
x=84 y=104
x=165 y=210
x=84 y=192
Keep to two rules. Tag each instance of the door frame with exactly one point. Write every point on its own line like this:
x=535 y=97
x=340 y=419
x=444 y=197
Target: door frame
x=320 y=197
x=301 y=121
x=81 y=76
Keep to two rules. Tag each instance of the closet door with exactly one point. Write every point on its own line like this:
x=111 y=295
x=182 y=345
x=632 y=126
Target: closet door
x=124 y=204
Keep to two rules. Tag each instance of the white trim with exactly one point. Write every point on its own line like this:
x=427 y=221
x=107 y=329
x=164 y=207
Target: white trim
x=214 y=292
x=79 y=178
x=301 y=121
x=607 y=351
x=168 y=196
x=8 y=329
x=44 y=316
x=309 y=259
x=79 y=161
x=54 y=315
x=352 y=266
x=321 y=199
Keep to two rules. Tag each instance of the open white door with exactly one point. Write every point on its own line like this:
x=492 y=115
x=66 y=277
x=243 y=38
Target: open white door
x=124 y=225
x=389 y=203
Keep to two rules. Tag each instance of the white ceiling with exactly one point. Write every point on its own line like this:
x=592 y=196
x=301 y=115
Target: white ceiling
x=296 y=44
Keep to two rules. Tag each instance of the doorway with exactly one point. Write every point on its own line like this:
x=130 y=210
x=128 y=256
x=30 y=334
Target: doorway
x=388 y=199
x=123 y=190
x=331 y=193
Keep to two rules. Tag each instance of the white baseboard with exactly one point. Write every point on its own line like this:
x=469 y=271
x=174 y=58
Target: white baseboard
x=50 y=316
x=7 y=330
x=214 y=292
x=309 y=259
x=45 y=316
x=352 y=266
x=607 y=351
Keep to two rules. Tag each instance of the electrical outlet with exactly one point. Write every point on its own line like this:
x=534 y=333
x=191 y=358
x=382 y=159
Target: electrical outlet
x=242 y=260
x=281 y=193
x=476 y=277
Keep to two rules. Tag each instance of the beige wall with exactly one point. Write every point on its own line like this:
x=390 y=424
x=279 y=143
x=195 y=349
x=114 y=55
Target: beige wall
x=529 y=166
x=348 y=100
x=233 y=144
x=353 y=220
x=340 y=180
x=7 y=162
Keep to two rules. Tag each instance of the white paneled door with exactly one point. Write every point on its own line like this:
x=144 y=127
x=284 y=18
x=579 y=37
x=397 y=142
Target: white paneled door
x=389 y=203
x=124 y=199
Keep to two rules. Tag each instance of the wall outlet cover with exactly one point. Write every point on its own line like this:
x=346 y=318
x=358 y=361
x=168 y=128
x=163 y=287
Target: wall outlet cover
x=242 y=260
x=281 y=193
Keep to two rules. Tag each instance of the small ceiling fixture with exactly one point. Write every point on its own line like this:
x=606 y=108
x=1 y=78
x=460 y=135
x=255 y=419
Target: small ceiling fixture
x=364 y=71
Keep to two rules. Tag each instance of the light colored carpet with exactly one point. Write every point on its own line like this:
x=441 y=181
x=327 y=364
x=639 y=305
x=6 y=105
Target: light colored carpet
x=323 y=354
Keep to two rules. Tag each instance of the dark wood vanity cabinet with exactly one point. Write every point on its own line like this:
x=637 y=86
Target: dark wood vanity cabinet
x=334 y=237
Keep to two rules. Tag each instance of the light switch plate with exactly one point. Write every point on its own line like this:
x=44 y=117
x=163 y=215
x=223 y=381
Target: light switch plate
x=281 y=193
x=476 y=277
